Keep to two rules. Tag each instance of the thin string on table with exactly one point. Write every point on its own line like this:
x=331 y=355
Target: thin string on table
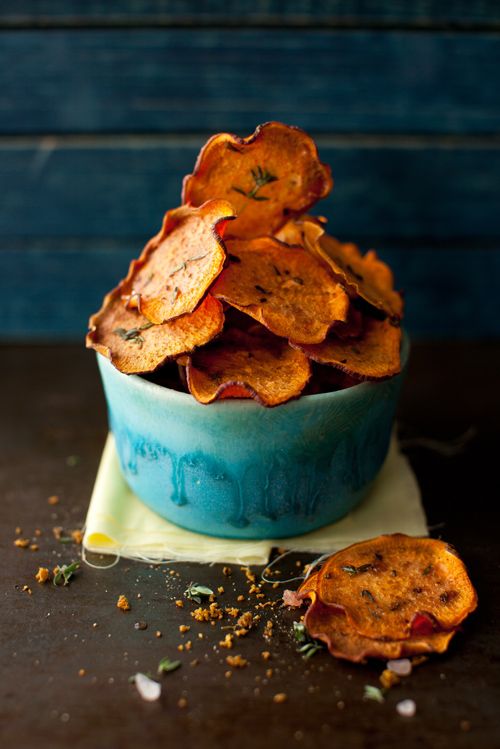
x=446 y=448
x=310 y=568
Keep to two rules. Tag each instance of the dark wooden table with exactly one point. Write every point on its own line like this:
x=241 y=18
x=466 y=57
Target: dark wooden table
x=51 y=435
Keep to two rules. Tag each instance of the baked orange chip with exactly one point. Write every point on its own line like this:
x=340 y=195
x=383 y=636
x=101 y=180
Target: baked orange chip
x=386 y=584
x=332 y=626
x=178 y=265
x=135 y=345
x=375 y=355
x=363 y=275
x=247 y=365
x=284 y=288
x=268 y=177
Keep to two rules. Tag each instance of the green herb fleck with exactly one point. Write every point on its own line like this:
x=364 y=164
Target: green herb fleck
x=366 y=594
x=307 y=646
x=196 y=592
x=261 y=177
x=133 y=334
x=175 y=294
x=184 y=264
x=262 y=289
x=373 y=693
x=65 y=573
x=351 y=570
x=427 y=570
x=165 y=666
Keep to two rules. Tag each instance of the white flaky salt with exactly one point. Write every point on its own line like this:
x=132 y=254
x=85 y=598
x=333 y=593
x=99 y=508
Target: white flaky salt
x=148 y=689
x=401 y=667
x=406 y=708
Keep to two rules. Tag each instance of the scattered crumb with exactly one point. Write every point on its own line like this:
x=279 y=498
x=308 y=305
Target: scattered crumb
x=158 y=633
x=419 y=659
x=77 y=536
x=276 y=585
x=122 y=603
x=389 y=678
x=241 y=632
x=42 y=575
x=228 y=674
x=227 y=642
x=265 y=655
x=249 y=574
x=38 y=532
x=220 y=590
x=232 y=611
x=182 y=703
x=179 y=604
x=180 y=647
x=188 y=645
x=254 y=588
x=246 y=620
x=240 y=598
x=194 y=662
x=236 y=661
x=19 y=530
x=82 y=672
x=57 y=532
x=27 y=589
x=33 y=547
x=200 y=635
x=280 y=697
x=53 y=500
x=22 y=543
x=227 y=571
x=465 y=725
x=269 y=672
x=268 y=629
x=184 y=628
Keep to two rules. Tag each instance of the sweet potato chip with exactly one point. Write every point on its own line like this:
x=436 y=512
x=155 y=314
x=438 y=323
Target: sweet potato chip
x=244 y=365
x=285 y=288
x=268 y=177
x=178 y=265
x=382 y=584
x=363 y=275
x=332 y=626
x=374 y=355
x=135 y=345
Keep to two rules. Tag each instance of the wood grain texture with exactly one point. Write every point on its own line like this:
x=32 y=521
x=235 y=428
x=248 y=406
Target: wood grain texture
x=192 y=80
x=48 y=294
x=384 y=191
x=376 y=13
x=55 y=408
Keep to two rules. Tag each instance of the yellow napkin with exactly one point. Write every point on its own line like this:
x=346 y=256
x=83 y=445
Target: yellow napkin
x=119 y=523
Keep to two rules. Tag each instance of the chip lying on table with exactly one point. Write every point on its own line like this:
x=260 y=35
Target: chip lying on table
x=247 y=293
x=389 y=597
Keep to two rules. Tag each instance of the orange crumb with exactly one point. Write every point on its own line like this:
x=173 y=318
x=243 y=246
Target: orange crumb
x=240 y=598
x=232 y=611
x=180 y=647
x=388 y=679
x=182 y=703
x=179 y=604
x=53 y=500
x=194 y=662
x=280 y=697
x=27 y=589
x=158 y=633
x=227 y=642
x=275 y=585
x=228 y=674
x=33 y=547
x=57 y=531
x=236 y=661
x=22 y=543
x=246 y=620
x=19 y=530
x=188 y=645
x=184 y=628
x=38 y=532
x=249 y=574
x=220 y=590
x=269 y=673
x=42 y=575
x=241 y=632
x=227 y=571
x=122 y=603
x=265 y=655
x=82 y=672
x=77 y=536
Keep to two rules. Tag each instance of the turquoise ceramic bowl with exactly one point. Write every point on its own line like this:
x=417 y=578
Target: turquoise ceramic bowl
x=238 y=470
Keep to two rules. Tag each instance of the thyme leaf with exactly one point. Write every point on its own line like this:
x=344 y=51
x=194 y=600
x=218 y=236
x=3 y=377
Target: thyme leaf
x=64 y=573
x=196 y=592
x=261 y=177
x=133 y=334
x=351 y=570
x=373 y=693
x=165 y=666
x=307 y=646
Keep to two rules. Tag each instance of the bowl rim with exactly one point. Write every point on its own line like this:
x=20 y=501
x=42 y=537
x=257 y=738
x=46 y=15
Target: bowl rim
x=165 y=394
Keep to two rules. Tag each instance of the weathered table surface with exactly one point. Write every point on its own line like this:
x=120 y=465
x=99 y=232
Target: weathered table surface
x=51 y=434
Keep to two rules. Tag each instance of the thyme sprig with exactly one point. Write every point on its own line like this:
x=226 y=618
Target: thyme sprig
x=196 y=592
x=351 y=570
x=184 y=264
x=261 y=177
x=307 y=646
x=165 y=666
x=133 y=334
x=64 y=573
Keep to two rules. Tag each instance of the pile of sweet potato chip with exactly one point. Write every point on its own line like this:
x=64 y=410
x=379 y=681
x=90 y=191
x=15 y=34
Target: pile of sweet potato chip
x=244 y=290
x=389 y=597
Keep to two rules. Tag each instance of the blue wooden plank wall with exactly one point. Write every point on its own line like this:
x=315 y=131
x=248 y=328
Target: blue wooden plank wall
x=103 y=107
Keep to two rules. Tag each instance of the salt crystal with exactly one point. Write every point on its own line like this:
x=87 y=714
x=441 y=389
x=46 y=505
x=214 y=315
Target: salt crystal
x=406 y=708
x=401 y=667
x=148 y=689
